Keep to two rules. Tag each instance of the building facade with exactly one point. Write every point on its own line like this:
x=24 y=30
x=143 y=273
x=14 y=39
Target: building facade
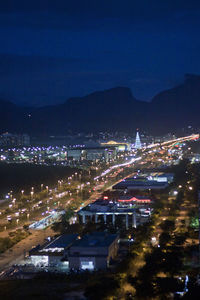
x=93 y=252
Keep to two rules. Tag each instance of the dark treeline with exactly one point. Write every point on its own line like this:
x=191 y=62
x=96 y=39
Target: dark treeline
x=195 y=146
x=23 y=176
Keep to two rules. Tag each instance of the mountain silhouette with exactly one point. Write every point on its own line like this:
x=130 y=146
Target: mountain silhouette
x=114 y=109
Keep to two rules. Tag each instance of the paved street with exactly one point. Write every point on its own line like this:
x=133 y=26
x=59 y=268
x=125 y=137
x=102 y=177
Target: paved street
x=16 y=253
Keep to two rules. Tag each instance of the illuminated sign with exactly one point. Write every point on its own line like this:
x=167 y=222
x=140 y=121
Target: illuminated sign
x=134 y=199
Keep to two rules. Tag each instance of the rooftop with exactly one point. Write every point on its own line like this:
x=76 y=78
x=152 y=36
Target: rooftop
x=139 y=183
x=96 y=239
x=62 y=241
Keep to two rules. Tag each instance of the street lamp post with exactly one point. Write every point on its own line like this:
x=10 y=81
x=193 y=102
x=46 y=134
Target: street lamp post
x=32 y=193
x=59 y=183
x=14 y=200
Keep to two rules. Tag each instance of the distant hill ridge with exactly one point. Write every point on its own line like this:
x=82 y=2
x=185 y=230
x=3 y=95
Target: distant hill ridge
x=114 y=109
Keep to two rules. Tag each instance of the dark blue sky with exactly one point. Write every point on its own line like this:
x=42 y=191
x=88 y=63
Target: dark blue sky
x=52 y=50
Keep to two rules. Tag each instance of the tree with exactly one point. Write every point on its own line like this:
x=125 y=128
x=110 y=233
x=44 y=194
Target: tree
x=167 y=225
x=164 y=238
x=103 y=288
x=166 y=286
x=172 y=263
x=180 y=239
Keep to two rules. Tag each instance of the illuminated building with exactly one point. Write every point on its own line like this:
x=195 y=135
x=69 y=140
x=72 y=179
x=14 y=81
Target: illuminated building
x=161 y=177
x=92 y=153
x=109 y=210
x=120 y=146
x=53 y=253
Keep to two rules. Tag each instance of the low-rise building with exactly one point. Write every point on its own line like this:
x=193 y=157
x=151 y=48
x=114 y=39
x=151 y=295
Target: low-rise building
x=109 y=211
x=120 y=146
x=93 y=251
x=92 y=153
x=75 y=154
x=140 y=183
x=53 y=253
x=161 y=177
x=69 y=251
x=14 y=140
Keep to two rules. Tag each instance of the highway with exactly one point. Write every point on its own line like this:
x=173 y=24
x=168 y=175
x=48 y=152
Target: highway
x=130 y=162
x=133 y=160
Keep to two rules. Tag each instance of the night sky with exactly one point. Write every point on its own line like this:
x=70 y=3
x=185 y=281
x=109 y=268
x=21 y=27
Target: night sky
x=52 y=50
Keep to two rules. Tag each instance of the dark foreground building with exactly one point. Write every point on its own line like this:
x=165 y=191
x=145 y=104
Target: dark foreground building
x=93 y=251
x=69 y=251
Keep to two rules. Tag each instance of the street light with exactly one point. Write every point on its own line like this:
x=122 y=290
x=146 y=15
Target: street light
x=59 y=183
x=14 y=200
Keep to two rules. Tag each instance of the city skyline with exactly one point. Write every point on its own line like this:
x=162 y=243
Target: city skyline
x=99 y=149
